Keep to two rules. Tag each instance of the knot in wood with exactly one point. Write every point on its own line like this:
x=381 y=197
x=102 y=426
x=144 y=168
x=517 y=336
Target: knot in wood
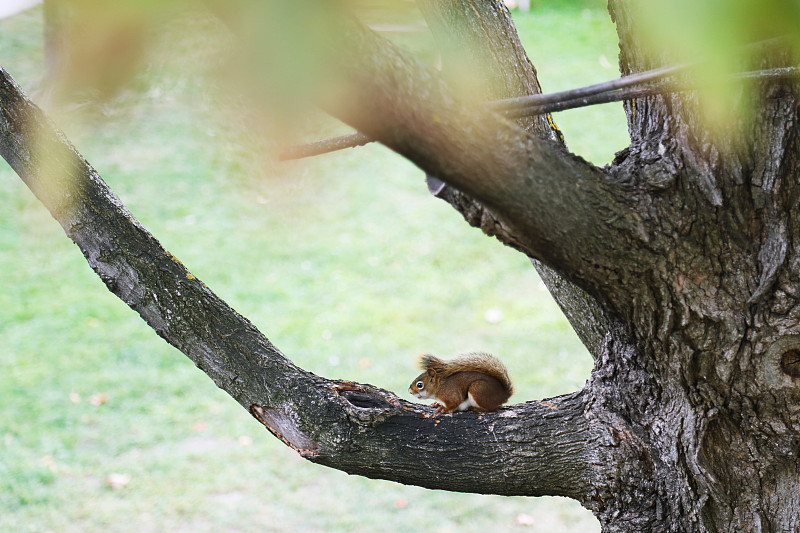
x=790 y=363
x=782 y=363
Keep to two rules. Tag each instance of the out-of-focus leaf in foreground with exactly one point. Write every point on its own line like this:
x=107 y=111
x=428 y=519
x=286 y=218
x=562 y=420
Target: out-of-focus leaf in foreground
x=722 y=38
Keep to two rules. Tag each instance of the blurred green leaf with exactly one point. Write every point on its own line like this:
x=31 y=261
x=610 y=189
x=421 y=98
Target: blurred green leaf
x=718 y=36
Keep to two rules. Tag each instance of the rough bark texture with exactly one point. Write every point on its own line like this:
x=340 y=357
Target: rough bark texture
x=677 y=265
x=712 y=316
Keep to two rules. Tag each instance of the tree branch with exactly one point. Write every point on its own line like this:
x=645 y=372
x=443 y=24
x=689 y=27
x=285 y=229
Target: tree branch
x=520 y=107
x=535 y=448
x=324 y=146
x=481 y=49
x=530 y=449
x=558 y=208
x=540 y=104
x=486 y=39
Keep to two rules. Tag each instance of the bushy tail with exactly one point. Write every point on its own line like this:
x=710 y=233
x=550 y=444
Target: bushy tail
x=469 y=362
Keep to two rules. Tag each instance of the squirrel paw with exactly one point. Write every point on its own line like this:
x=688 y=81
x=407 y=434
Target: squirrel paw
x=440 y=408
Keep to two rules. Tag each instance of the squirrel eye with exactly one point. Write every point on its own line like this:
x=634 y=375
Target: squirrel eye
x=420 y=385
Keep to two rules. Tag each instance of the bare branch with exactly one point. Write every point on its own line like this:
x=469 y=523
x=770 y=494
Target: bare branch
x=519 y=107
x=324 y=146
x=625 y=88
x=534 y=448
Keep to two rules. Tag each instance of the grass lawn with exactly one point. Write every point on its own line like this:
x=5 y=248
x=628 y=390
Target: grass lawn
x=344 y=261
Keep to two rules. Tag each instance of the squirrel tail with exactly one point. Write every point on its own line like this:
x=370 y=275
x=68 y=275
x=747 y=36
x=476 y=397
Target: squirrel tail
x=469 y=362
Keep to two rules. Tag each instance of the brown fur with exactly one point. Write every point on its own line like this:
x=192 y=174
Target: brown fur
x=474 y=361
x=477 y=375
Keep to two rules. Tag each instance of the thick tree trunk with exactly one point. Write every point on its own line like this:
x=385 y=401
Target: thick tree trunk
x=677 y=265
x=709 y=383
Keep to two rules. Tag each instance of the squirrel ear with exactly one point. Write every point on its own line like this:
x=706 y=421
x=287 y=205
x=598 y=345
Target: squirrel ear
x=431 y=372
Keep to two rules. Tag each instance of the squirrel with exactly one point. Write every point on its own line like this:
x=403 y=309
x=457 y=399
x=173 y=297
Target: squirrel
x=473 y=381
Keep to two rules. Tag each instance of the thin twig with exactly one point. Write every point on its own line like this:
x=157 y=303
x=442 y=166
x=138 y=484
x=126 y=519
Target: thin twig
x=532 y=107
x=351 y=140
x=627 y=93
x=631 y=80
x=638 y=85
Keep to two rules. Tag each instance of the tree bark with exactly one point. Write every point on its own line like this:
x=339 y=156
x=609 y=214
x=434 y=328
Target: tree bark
x=677 y=265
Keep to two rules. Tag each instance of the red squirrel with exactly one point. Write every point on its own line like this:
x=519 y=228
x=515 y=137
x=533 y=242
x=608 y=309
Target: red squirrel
x=472 y=381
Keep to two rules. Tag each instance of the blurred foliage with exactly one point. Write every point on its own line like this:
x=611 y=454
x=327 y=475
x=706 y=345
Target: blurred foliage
x=282 y=49
x=718 y=36
x=279 y=51
x=96 y=46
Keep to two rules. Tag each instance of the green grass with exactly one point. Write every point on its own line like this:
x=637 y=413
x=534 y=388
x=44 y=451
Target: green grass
x=571 y=46
x=344 y=261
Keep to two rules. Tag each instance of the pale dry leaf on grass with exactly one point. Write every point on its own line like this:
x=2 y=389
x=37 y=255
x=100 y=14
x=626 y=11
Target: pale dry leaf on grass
x=98 y=399
x=116 y=481
x=525 y=520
